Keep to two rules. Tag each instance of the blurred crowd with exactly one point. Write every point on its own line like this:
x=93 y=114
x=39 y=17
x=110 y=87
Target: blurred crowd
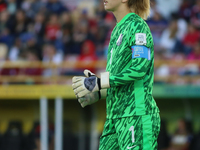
x=52 y=31
x=183 y=137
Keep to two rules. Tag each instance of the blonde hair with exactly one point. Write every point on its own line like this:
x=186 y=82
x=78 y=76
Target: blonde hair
x=140 y=7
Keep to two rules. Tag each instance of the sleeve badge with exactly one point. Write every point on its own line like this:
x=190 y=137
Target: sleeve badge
x=140 y=39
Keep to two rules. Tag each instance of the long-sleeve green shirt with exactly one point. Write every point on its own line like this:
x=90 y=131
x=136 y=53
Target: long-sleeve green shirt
x=130 y=63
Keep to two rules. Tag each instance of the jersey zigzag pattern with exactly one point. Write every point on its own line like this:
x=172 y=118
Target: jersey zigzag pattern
x=131 y=79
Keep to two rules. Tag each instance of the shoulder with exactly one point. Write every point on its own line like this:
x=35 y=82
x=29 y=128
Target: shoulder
x=139 y=25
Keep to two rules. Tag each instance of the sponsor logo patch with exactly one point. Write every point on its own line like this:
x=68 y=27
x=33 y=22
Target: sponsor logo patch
x=140 y=39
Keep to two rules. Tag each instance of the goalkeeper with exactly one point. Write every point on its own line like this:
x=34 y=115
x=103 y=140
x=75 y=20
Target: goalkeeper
x=133 y=120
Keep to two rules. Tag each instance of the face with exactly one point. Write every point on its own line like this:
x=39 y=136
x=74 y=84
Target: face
x=112 y=5
x=181 y=125
x=20 y=16
x=49 y=50
x=39 y=18
x=31 y=56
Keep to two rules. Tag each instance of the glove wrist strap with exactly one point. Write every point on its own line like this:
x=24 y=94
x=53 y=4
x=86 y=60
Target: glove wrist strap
x=99 y=83
x=105 y=82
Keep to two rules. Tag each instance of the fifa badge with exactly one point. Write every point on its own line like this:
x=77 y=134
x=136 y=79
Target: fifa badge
x=119 y=41
x=140 y=39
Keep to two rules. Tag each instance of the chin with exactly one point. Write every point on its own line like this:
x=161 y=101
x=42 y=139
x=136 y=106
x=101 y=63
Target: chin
x=108 y=9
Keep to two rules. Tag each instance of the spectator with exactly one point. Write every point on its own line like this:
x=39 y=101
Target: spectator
x=154 y=8
x=5 y=36
x=169 y=38
x=185 y=10
x=80 y=34
x=182 y=27
x=26 y=6
x=192 y=36
x=196 y=14
x=66 y=19
x=20 y=23
x=12 y=7
x=88 y=53
x=15 y=50
x=182 y=136
x=38 y=6
x=3 y=5
x=31 y=56
x=30 y=42
x=51 y=55
x=157 y=24
x=39 y=27
x=195 y=54
x=55 y=6
x=66 y=38
x=52 y=28
x=3 y=20
x=3 y=52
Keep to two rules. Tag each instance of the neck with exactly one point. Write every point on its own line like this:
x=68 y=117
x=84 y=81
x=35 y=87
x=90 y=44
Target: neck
x=120 y=13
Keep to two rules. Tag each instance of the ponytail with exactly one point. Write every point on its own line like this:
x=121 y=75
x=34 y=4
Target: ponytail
x=140 y=7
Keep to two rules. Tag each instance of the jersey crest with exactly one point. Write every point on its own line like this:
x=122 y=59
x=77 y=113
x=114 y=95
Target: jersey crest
x=119 y=41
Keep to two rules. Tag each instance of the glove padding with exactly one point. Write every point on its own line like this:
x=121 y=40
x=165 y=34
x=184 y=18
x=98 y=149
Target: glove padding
x=83 y=85
x=89 y=99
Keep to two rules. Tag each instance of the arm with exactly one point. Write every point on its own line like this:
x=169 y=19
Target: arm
x=137 y=71
x=140 y=64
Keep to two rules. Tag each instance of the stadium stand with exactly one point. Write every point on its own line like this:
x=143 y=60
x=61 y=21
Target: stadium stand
x=44 y=46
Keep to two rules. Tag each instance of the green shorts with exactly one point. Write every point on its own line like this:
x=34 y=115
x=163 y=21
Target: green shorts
x=134 y=133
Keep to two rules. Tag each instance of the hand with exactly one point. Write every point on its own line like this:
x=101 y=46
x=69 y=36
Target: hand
x=83 y=85
x=91 y=97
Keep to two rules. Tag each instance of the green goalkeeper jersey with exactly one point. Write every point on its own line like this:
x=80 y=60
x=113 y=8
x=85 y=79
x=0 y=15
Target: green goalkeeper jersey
x=130 y=63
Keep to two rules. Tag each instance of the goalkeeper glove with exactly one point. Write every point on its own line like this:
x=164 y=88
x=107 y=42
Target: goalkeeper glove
x=92 y=97
x=83 y=85
x=89 y=99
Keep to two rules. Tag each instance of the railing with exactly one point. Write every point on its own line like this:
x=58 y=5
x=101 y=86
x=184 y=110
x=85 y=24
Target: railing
x=56 y=78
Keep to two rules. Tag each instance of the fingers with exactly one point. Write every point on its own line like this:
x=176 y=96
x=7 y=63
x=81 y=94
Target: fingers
x=80 y=89
x=80 y=92
x=77 y=79
x=78 y=84
x=83 y=93
x=82 y=99
x=84 y=103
